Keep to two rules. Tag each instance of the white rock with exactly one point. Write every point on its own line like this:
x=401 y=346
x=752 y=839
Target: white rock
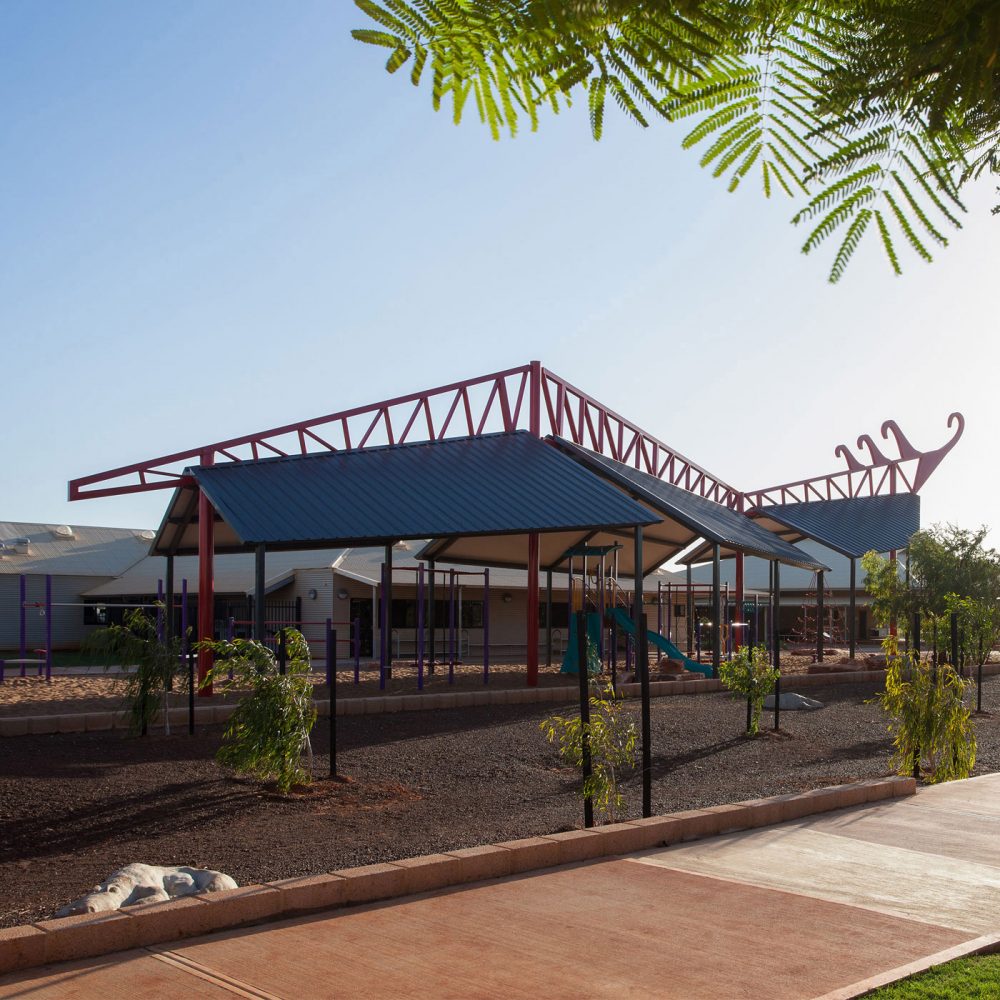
x=139 y=883
x=793 y=702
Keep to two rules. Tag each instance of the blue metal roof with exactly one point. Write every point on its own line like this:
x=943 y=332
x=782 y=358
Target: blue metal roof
x=492 y=485
x=850 y=526
x=703 y=517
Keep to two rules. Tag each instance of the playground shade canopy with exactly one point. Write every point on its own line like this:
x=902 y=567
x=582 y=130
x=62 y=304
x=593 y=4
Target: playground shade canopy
x=851 y=526
x=499 y=485
x=697 y=517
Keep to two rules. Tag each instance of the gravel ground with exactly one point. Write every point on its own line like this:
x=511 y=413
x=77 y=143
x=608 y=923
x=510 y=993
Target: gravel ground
x=74 y=807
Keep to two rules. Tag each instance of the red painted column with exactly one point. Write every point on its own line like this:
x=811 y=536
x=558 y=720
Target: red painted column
x=206 y=579
x=531 y=626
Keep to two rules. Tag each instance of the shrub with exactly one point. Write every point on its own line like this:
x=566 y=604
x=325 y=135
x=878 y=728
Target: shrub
x=749 y=675
x=271 y=724
x=612 y=738
x=135 y=644
x=932 y=730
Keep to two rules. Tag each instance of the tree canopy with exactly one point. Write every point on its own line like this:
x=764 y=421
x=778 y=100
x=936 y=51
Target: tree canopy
x=873 y=114
x=951 y=570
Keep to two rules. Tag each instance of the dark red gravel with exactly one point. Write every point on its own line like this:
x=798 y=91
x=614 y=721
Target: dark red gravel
x=75 y=807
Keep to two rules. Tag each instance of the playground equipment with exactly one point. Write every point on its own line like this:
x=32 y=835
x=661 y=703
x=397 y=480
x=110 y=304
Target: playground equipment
x=626 y=624
x=426 y=624
x=23 y=660
x=44 y=608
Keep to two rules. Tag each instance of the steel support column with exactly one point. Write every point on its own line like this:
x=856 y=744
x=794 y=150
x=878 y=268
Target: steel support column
x=259 y=593
x=430 y=616
x=548 y=618
x=776 y=603
x=206 y=581
x=853 y=612
x=169 y=630
x=532 y=624
x=820 y=613
x=690 y=613
x=716 y=611
x=738 y=615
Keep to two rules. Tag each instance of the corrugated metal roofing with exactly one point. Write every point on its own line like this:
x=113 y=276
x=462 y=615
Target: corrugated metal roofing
x=704 y=518
x=850 y=526
x=233 y=573
x=492 y=485
x=69 y=550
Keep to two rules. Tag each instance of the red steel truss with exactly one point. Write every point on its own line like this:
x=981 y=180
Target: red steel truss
x=905 y=473
x=529 y=397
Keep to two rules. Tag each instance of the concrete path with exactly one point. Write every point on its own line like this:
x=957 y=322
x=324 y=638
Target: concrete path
x=804 y=909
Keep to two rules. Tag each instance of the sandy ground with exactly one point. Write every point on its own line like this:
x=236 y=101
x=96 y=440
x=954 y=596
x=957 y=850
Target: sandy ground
x=70 y=692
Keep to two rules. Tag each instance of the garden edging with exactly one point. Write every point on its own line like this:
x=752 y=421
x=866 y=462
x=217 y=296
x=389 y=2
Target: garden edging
x=89 y=935
x=80 y=722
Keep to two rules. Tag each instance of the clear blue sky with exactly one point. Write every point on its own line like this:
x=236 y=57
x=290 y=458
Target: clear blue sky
x=217 y=217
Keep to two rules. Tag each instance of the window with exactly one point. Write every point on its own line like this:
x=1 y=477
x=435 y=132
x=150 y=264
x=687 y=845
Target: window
x=95 y=614
x=560 y=615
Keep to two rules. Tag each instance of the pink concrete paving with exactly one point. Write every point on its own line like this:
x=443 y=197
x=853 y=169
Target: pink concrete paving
x=773 y=912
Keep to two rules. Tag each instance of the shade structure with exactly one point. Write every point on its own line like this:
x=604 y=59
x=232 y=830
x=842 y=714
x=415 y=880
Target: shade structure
x=851 y=526
x=499 y=486
x=691 y=516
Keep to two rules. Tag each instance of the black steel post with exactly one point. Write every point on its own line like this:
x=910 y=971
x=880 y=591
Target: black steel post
x=954 y=641
x=581 y=655
x=916 y=652
x=169 y=630
x=647 y=750
x=282 y=654
x=430 y=616
x=820 y=613
x=548 y=618
x=190 y=659
x=716 y=611
x=258 y=593
x=853 y=624
x=331 y=644
x=979 y=678
x=388 y=612
x=777 y=644
x=690 y=611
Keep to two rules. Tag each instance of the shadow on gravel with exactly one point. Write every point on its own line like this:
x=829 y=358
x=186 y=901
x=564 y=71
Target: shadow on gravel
x=176 y=807
x=663 y=765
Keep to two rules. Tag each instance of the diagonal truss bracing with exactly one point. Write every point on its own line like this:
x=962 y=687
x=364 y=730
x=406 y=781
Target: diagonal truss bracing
x=528 y=397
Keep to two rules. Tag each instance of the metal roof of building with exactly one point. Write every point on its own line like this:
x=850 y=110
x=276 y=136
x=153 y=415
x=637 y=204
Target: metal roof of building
x=69 y=550
x=233 y=573
x=703 y=518
x=850 y=526
x=496 y=485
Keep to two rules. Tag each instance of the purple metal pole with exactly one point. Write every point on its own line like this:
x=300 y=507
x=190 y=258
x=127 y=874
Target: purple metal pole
x=159 y=611
x=659 y=607
x=451 y=627
x=230 y=635
x=420 y=627
x=48 y=627
x=357 y=650
x=24 y=623
x=670 y=611
x=331 y=660
x=486 y=626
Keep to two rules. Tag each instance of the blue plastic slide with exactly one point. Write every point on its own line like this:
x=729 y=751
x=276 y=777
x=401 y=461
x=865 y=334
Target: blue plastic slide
x=570 y=664
x=627 y=625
